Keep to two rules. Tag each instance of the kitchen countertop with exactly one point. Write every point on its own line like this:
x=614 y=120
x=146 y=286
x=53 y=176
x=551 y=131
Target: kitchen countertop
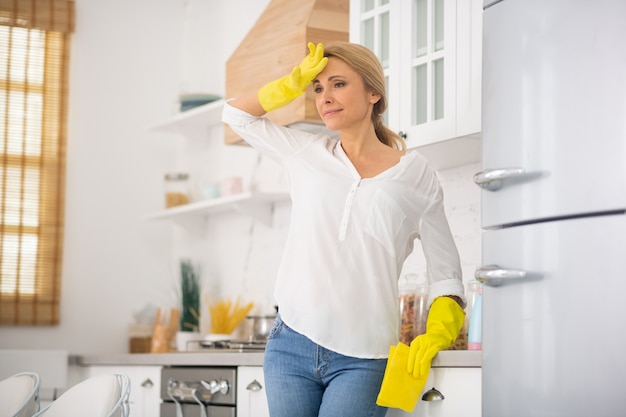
x=444 y=359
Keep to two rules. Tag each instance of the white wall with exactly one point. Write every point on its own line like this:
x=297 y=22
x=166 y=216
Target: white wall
x=127 y=64
x=130 y=61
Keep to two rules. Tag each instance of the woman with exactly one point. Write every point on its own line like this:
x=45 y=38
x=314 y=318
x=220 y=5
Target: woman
x=358 y=204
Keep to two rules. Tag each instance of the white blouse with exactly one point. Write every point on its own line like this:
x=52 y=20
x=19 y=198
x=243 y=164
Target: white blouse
x=349 y=236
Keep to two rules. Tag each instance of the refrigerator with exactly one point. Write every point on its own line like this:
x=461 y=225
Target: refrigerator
x=553 y=198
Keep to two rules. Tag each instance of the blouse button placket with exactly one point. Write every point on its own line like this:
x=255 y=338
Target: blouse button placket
x=347 y=209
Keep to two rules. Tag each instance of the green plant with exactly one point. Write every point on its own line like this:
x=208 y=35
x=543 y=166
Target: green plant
x=190 y=297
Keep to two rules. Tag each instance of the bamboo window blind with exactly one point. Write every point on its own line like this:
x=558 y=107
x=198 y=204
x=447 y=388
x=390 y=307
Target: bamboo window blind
x=34 y=60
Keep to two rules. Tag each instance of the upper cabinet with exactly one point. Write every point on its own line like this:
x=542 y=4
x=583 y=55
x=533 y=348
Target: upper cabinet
x=431 y=55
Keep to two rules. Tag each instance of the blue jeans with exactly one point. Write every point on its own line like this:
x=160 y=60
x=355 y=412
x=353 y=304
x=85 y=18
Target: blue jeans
x=303 y=379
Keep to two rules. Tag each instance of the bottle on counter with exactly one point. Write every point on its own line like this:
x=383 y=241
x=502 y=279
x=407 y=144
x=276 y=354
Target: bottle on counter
x=470 y=294
x=474 y=336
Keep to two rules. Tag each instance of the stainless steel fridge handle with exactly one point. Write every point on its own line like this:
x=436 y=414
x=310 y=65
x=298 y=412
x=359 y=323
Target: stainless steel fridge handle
x=491 y=179
x=493 y=275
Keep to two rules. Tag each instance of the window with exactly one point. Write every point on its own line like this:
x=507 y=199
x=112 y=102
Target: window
x=34 y=59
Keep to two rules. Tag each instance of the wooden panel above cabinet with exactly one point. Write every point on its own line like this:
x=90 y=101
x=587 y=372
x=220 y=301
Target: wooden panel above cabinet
x=276 y=44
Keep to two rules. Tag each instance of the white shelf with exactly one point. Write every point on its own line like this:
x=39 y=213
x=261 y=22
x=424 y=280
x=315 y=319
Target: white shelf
x=195 y=121
x=256 y=205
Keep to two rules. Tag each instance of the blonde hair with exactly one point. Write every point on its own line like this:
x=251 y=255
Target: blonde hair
x=367 y=65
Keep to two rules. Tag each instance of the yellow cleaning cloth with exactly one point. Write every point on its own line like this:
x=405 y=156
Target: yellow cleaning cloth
x=400 y=389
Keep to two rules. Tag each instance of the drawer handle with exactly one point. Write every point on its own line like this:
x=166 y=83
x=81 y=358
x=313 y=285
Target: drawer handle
x=433 y=394
x=254 y=386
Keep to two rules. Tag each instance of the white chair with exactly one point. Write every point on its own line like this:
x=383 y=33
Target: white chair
x=50 y=364
x=19 y=395
x=103 y=395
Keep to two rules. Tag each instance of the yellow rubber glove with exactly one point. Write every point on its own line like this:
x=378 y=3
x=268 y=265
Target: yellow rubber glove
x=283 y=91
x=443 y=325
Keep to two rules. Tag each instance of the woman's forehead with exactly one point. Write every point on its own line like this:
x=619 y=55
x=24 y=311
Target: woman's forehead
x=336 y=68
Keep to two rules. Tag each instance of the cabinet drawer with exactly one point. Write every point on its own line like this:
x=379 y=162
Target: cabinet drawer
x=251 y=400
x=461 y=388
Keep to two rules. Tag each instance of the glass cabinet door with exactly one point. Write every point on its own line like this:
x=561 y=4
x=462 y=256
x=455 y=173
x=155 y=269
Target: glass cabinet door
x=431 y=53
x=415 y=42
x=427 y=70
x=370 y=27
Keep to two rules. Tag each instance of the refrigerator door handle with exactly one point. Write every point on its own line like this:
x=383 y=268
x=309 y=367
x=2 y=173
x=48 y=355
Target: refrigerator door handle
x=494 y=275
x=491 y=179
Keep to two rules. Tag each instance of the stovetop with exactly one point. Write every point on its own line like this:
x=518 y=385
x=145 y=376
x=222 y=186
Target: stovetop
x=232 y=345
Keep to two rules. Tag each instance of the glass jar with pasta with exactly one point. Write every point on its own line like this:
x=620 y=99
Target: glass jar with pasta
x=413 y=313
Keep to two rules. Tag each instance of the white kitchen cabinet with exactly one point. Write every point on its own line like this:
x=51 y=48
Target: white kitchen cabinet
x=461 y=389
x=251 y=400
x=145 y=387
x=431 y=55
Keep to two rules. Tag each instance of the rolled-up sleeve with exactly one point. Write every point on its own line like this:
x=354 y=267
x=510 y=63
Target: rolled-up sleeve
x=442 y=257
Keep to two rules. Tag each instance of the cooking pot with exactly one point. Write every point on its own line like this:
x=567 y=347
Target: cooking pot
x=261 y=326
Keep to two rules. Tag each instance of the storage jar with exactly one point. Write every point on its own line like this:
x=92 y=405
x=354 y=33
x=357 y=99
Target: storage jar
x=177 y=190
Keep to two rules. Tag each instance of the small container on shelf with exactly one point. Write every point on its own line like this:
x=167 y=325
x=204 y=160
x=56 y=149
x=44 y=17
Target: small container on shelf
x=231 y=186
x=191 y=101
x=177 y=190
x=210 y=191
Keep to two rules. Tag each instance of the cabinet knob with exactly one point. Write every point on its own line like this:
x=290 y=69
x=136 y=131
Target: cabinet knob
x=402 y=134
x=254 y=386
x=147 y=383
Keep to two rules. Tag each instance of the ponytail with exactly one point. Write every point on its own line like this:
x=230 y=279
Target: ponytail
x=386 y=135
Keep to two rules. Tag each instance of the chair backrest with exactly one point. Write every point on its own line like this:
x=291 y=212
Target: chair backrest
x=103 y=395
x=19 y=395
x=50 y=364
